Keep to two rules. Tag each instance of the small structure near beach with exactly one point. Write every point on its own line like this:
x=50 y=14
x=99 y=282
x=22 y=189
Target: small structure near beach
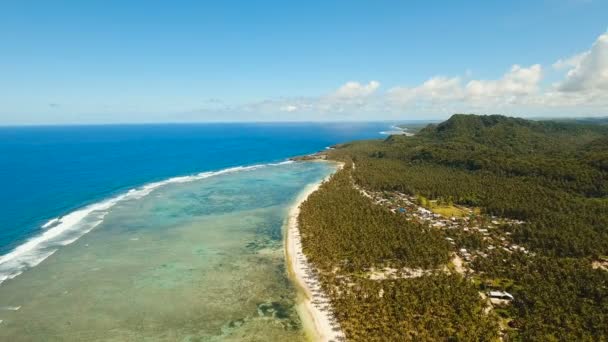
x=500 y=297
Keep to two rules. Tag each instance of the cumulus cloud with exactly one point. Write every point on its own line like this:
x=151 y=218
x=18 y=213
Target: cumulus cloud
x=351 y=97
x=517 y=83
x=436 y=88
x=588 y=71
x=352 y=90
x=582 y=88
x=289 y=108
x=571 y=62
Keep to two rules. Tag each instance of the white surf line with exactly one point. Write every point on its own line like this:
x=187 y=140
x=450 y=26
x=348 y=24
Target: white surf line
x=10 y=308
x=64 y=230
x=316 y=305
x=50 y=222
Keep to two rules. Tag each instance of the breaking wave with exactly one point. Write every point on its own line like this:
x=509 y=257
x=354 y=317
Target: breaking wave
x=64 y=230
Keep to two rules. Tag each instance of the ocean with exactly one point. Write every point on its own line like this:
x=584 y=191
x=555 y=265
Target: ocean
x=157 y=232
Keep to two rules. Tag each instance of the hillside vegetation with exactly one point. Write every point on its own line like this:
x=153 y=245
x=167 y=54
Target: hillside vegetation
x=345 y=236
x=553 y=176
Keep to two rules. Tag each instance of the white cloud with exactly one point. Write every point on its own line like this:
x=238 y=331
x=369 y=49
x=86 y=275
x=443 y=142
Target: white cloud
x=350 y=97
x=583 y=89
x=517 y=82
x=436 y=88
x=289 y=108
x=570 y=62
x=588 y=70
x=352 y=90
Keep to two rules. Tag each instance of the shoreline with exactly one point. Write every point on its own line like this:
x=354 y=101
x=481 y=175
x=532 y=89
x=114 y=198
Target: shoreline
x=316 y=321
x=67 y=228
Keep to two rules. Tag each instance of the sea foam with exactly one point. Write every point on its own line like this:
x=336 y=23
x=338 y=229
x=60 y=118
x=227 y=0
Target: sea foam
x=64 y=230
x=50 y=223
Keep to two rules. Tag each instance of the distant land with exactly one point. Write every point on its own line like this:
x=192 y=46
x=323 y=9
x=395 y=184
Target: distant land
x=590 y=120
x=417 y=125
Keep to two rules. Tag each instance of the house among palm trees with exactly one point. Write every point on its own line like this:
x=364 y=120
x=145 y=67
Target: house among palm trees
x=501 y=295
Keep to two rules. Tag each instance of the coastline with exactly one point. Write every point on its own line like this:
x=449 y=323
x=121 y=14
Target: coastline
x=317 y=322
x=66 y=229
x=209 y=248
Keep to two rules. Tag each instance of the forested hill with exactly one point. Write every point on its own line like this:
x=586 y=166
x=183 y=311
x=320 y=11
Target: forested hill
x=514 y=134
x=554 y=175
x=551 y=175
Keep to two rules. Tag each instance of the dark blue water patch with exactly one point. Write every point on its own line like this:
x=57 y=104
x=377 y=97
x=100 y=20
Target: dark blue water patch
x=49 y=171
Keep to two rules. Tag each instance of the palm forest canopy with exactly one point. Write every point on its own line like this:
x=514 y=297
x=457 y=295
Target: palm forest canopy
x=540 y=186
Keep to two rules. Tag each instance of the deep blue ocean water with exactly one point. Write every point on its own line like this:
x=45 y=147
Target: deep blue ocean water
x=47 y=172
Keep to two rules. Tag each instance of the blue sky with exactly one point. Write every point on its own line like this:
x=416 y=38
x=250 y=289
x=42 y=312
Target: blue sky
x=173 y=61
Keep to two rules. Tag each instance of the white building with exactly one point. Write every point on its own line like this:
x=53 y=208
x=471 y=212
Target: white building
x=501 y=295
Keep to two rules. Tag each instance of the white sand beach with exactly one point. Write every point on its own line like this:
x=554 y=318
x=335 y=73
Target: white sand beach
x=313 y=305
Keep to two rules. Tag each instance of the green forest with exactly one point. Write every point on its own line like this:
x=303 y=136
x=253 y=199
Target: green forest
x=551 y=175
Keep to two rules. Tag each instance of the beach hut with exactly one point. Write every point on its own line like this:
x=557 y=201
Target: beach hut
x=501 y=295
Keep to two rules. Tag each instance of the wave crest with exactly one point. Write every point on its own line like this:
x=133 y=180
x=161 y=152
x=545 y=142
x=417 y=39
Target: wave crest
x=64 y=230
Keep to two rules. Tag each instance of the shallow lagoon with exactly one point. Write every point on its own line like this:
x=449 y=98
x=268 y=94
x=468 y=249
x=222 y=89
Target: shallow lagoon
x=196 y=261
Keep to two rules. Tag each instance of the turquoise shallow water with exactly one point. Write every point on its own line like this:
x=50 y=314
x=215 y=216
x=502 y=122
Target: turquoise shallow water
x=195 y=261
